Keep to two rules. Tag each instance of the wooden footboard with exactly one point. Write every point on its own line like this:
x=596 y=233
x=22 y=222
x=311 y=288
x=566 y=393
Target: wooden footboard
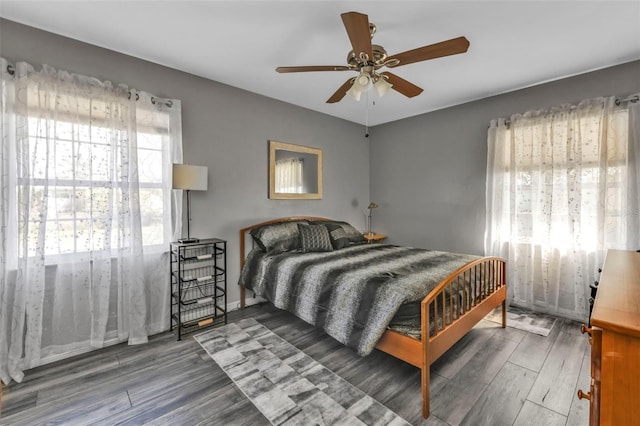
x=452 y=309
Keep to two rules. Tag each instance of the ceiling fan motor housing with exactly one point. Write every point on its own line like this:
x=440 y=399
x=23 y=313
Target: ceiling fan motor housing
x=379 y=56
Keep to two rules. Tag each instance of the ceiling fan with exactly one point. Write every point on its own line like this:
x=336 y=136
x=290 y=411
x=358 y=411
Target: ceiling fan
x=367 y=58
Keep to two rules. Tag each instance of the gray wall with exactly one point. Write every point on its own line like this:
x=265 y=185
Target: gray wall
x=227 y=130
x=428 y=172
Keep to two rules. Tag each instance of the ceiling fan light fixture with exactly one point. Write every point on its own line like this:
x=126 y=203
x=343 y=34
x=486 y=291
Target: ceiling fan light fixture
x=363 y=82
x=355 y=92
x=382 y=86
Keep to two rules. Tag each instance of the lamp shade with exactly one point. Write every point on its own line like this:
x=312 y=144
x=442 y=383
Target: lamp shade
x=363 y=82
x=187 y=176
x=355 y=92
x=382 y=86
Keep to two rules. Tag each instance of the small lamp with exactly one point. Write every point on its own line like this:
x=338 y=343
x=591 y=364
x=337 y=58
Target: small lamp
x=189 y=178
x=371 y=206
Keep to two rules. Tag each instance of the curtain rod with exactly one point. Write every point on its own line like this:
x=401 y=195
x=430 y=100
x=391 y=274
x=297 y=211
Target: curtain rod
x=631 y=98
x=11 y=70
x=154 y=100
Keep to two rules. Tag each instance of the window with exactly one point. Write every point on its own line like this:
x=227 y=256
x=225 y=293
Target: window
x=154 y=191
x=559 y=173
x=562 y=189
x=74 y=177
x=86 y=213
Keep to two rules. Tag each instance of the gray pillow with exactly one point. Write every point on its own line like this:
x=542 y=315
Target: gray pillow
x=278 y=237
x=354 y=236
x=337 y=235
x=314 y=238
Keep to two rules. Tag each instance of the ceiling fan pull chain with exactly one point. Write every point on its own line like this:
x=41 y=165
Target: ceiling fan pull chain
x=366 y=122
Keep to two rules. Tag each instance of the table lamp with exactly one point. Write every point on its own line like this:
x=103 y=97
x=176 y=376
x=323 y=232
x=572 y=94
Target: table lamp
x=371 y=206
x=190 y=178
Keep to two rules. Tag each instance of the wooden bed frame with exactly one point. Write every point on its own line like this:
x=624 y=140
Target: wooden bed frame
x=475 y=301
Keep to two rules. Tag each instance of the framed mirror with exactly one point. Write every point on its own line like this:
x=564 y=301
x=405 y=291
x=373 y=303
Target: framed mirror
x=295 y=172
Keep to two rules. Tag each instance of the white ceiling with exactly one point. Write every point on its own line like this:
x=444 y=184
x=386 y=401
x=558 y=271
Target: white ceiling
x=514 y=44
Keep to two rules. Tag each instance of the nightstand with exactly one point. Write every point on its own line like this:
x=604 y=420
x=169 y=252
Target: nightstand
x=374 y=238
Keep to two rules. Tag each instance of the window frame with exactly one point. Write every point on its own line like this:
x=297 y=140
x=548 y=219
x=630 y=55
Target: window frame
x=72 y=185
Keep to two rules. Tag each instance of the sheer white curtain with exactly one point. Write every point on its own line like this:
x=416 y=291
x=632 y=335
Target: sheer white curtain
x=289 y=175
x=562 y=188
x=87 y=212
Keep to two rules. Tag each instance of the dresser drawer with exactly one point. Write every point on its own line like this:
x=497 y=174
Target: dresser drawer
x=595 y=339
x=620 y=375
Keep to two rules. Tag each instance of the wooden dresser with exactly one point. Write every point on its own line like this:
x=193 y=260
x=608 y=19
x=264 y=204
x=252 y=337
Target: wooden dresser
x=615 y=343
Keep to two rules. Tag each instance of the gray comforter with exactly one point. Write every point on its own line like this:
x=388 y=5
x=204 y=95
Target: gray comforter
x=351 y=293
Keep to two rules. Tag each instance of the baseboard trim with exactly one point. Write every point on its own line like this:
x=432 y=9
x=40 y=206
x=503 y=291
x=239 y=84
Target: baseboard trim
x=233 y=306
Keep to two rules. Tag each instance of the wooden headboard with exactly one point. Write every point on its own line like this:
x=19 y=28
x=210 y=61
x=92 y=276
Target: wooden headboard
x=243 y=237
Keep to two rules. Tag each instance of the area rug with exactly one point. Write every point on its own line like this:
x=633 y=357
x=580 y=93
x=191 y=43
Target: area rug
x=285 y=384
x=524 y=319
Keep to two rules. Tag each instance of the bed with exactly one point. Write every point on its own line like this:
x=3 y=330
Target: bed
x=411 y=303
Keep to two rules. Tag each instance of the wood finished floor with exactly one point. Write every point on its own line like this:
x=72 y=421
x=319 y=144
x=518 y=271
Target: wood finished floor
x=493 y=376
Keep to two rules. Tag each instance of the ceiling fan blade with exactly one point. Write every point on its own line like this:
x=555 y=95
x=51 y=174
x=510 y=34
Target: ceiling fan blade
x=357 y=26
x=313 y=68
x=337 y=97
x=402 y=86
x=432 y=51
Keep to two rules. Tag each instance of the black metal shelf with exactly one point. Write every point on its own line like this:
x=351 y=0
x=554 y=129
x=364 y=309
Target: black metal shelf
x=200 y=323
x=199 y=294
x=198 y=285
